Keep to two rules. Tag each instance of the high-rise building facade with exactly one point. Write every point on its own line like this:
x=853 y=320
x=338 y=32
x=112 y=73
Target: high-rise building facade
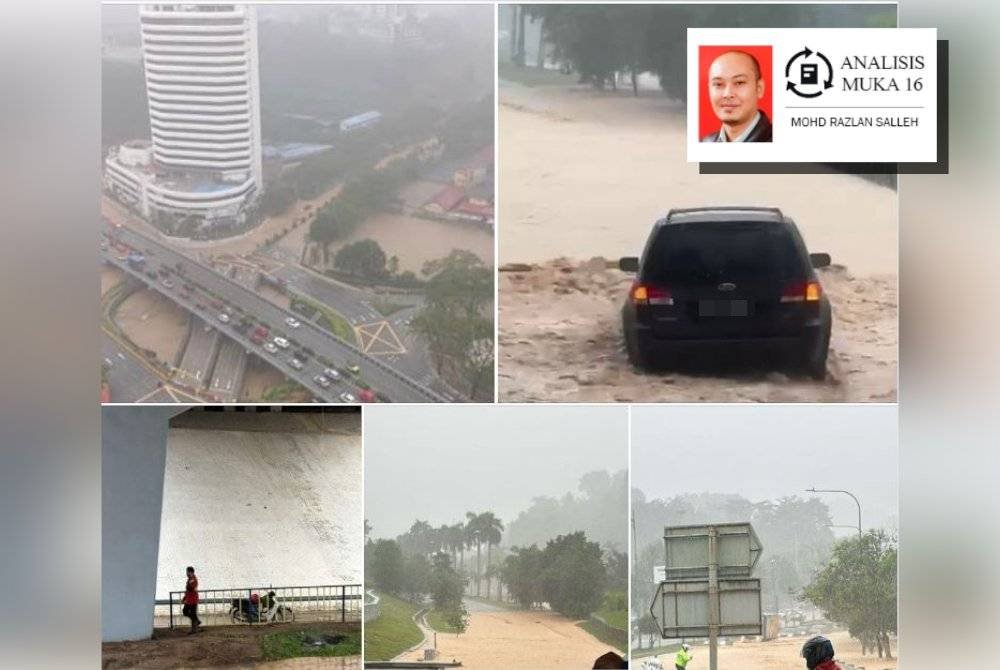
x=202 y=85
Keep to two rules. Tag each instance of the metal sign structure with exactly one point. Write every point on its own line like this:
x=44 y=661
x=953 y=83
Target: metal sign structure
x=707 y=589
x=681 y=608
x=687 y=550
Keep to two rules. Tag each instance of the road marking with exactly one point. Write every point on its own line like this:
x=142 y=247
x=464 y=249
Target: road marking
x=379 y=338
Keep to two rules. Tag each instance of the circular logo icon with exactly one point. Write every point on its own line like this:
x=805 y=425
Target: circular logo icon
x=808 y=73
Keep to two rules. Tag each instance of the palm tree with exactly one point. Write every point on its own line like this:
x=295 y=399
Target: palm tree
x=492 y=571
x=456 y=542
x=473 y=532
x=491 y=529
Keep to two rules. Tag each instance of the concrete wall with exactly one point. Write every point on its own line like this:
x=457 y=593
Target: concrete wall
x=262 y=499
x=133 y=452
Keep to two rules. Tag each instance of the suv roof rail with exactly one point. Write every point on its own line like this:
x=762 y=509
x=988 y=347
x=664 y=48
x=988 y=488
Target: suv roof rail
x=723 y=208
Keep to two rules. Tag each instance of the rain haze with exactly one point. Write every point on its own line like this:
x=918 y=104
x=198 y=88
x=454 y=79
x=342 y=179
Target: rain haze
x=771 y=452
x=425 y=462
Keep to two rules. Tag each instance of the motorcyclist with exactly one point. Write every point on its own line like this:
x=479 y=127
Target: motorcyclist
x=818 y=652
x=683 y=657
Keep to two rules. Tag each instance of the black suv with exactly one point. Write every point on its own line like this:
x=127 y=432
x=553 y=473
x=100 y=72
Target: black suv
x=732 y=277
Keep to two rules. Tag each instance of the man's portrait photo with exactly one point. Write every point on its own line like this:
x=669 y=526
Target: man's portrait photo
x=735 y=93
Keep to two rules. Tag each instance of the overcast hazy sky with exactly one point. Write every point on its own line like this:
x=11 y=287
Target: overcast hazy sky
x=768 y=451
x=437 y=463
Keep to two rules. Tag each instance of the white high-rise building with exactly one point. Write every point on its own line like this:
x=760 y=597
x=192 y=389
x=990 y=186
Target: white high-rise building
x=202 y=84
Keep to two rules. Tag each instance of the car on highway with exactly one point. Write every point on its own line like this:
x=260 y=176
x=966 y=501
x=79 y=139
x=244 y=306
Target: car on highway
x=736 y=279
x=223 y=317
x=281 y=342
x=292 y=323
x=296 y=363
x=270 y=348
x=259 y=334
x=332 y=374
x=347 y=397
x=322 y=381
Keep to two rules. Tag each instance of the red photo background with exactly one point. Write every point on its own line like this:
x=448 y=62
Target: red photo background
x=707 y=123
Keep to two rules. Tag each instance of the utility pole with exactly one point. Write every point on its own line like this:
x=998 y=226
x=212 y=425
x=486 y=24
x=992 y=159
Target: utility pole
x=713 y=598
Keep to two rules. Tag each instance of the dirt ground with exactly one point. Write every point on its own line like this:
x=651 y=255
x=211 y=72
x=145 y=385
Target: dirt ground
x=153 y=322
x=216 y=647
x=585 y=174
x=512 y=639
x=779 y=654
x=560 y=340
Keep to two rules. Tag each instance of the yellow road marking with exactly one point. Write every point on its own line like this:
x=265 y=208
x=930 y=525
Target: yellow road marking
x=370 y=335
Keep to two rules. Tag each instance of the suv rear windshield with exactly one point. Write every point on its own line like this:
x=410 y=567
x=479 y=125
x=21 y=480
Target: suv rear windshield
x=722 y=251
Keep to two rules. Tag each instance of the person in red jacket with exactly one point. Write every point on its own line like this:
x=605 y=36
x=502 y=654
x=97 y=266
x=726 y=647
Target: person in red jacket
x=818 y=652
x=191 y=600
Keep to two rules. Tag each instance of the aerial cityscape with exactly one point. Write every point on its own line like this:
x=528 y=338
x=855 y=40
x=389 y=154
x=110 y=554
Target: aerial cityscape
x=297 y=204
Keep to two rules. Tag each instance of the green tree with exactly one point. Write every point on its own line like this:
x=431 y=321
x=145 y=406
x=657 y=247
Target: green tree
x=858 y=588
x=522 y=571
x=364 y=258
x=457 y=321
x=384 y=566
x=575 y=576
x=417 y=576
x=446 y=589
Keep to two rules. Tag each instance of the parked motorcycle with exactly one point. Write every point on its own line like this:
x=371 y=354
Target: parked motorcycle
x=250 y=610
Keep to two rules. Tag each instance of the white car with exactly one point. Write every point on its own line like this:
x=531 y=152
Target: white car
x=296 y=363
x=223 y=317
x=281 y=342
x=168 y=283
x=353 y=368
x=322 y=381
x=332 y=373
x=270 y=348
x=292 y=323
x=347 y=397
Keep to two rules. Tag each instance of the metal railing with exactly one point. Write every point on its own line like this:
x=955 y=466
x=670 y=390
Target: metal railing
x=339 y=603
x=373 y=608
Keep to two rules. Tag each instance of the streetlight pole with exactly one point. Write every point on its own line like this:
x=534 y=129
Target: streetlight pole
x=854 y=497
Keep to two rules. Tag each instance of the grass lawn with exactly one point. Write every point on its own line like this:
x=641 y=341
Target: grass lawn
x=614 y=611
x=668 y=649
x=329 y=318
x=393 y=632
x=437 y=621
x=294 y=645
x=533 y=76
x=611 y=636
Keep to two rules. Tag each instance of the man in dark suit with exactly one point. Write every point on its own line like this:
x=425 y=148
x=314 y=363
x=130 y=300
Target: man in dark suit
x=735 y=87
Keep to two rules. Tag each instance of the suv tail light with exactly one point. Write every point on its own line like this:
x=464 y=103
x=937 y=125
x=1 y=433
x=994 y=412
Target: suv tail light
x=644 y=294
x=809 y=291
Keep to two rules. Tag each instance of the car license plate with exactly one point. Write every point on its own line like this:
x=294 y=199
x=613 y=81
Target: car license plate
x=723 y=308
